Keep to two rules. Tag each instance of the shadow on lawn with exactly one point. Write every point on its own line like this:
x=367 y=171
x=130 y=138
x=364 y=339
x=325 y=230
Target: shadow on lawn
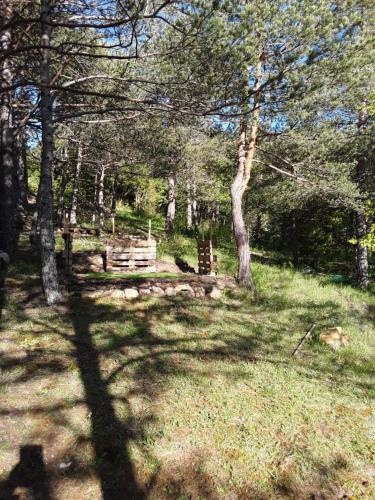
x=144 y=360
x=109 y=435
x=29 y=474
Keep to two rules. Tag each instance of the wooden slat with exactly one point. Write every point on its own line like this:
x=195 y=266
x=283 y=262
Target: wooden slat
x=132 y=263
x=147 y=269
x=134 y=255
x=129 y=245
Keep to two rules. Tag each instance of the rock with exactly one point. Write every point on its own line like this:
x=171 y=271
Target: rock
x=96 y=294
x=215 y=293
x=185 y=289
x=144 y=291
x=118 y=294
x=170 y=291
x=200 y=291
x=157 y=291
x=131 y=293
x=335 y=337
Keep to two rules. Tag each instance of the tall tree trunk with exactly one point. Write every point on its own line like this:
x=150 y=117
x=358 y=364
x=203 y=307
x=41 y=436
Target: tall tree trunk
x=114 y=193
x=47 y=239
x=101 y=201
x=73 y=209
x=171 y=209
x=360 y=219
x=21 y=170
x=194 y=204
x=35 y=223
x=63 y=183
x=245 y=156
x=95 y=198
x=61 y=205
x=7 y=173
x=362 y=267
x=189 y=206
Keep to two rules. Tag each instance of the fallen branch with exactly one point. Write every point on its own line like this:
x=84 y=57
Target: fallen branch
x=303 y=340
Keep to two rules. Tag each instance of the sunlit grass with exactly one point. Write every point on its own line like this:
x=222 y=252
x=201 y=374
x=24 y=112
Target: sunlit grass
x=208 y=391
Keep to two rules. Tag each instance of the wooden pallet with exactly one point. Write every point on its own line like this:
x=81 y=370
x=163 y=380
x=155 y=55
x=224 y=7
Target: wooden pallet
x=131 y=255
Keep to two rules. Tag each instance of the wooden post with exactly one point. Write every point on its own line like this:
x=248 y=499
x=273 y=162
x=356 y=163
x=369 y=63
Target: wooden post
x=113 y=224
x=149 y=229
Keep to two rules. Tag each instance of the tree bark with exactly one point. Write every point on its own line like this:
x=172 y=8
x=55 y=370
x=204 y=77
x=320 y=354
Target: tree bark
x=245 y=156
x=189 y=207
x=360 y=219
x=95 y=198
x=114 y=193
x=195 y=204
x=62 y=187
x=362 y=267
x=21 y=170
x=35 y=225
x=47 y=239
x=101 y=201
x=73 y=209
x=7 y=174
x=171 y=209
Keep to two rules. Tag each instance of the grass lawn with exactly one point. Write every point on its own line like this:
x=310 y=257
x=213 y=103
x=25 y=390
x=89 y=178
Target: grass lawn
x=191 y=399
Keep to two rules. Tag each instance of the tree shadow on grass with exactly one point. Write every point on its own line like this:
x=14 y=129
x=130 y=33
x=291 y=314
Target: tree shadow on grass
x=109 y=436
x=144 y=357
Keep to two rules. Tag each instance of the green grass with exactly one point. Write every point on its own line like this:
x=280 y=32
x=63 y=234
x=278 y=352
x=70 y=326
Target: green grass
x=190 y=398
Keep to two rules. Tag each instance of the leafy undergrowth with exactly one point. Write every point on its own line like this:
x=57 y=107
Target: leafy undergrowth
x=186 y=398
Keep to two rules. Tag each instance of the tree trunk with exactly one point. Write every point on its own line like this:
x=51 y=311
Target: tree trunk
x=7 y=174
x=95 y=198
x=245 y=156
x=171 y=209
x=21 y=170
x=195 y=204
x=360 y=219
x=101 y=201
x=189 y=207
x=63 y=183
x=244 y=276
x=73 y=209
x=47 y=240
x=238 y=187
x=114 y=193
x=35 y=225
x=362 y=267
x=61 y=205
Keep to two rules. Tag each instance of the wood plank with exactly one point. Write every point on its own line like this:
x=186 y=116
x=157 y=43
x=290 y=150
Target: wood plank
x=133 y=244
x=133 y=255
x=124 y=270
x=132 y=263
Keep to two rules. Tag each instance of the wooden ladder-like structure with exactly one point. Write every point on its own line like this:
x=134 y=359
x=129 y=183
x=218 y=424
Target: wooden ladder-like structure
x=206 y=260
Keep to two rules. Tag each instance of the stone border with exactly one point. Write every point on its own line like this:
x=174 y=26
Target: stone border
x=133 y=289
